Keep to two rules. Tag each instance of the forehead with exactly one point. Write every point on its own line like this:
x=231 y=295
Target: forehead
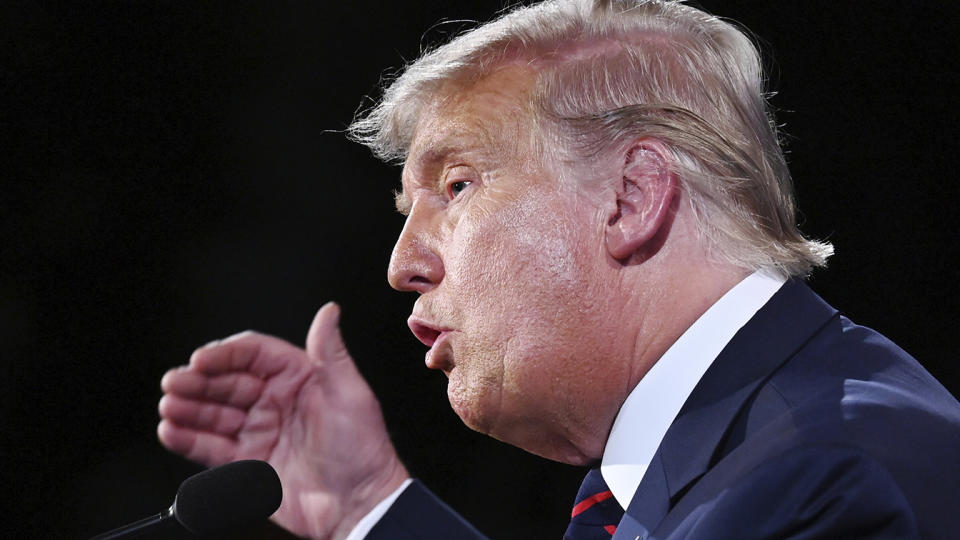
x=491 y=114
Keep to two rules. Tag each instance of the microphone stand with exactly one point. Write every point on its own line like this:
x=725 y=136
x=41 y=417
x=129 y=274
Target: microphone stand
x=138 y=527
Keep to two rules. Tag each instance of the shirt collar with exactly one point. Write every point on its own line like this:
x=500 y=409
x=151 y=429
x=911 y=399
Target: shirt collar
x=653 y=404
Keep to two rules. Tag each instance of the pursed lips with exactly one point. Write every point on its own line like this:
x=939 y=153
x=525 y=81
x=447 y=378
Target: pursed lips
x=435 y=337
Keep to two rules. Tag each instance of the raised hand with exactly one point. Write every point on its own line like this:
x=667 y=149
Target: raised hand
x=307 y=412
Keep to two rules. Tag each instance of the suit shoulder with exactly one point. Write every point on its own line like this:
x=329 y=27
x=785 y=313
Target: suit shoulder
x=847 y=403
x=812 y=491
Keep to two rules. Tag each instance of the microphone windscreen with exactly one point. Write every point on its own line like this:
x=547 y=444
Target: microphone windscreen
x=229 y=496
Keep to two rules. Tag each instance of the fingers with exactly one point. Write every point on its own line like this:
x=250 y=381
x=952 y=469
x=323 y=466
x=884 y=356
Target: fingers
x=239 y=390
x=202 y=416
x=204 y=447
x=226 y=404
x=257 y=354
x=324 y=342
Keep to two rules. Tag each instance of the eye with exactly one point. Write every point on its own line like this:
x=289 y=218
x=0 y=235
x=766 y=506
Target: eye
x=456 y=187
x=458 y=178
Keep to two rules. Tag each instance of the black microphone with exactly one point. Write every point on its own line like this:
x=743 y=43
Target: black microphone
x=225 y=497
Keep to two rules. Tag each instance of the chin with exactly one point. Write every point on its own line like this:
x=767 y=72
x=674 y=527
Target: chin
x=469 y=406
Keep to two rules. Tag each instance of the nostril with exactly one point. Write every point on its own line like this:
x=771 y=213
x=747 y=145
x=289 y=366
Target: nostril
x=414 y=267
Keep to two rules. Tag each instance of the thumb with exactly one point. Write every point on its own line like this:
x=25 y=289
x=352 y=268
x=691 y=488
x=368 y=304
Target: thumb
x=324 y=343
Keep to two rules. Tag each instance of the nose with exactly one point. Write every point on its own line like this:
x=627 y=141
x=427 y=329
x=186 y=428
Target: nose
x=415 y=264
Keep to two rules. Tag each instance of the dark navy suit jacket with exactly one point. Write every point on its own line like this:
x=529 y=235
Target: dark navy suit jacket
x=805 y=426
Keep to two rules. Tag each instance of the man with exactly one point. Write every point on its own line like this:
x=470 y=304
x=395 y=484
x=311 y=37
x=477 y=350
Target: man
x=601 y=230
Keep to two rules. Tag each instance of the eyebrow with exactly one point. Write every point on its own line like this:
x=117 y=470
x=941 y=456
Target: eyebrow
x=402 y=202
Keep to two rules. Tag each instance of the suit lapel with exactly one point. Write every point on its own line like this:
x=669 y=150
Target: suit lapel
x=757 y=350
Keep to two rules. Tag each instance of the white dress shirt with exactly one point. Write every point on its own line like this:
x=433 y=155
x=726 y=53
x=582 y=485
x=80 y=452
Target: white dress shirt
x=653 y=404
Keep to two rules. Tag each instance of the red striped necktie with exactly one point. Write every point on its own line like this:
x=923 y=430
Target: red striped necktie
x=596 y=512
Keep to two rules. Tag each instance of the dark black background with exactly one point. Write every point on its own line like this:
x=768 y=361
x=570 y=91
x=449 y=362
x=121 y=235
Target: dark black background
x=173 y=173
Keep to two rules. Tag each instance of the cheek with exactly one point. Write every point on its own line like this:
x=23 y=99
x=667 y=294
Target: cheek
x=524 y=276
x=529 y=301
x=513 y=260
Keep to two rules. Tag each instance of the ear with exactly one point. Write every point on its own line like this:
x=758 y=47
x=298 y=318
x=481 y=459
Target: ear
x=644 y=195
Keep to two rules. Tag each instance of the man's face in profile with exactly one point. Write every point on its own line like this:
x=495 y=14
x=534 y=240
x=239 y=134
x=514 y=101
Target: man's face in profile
x=510 y=265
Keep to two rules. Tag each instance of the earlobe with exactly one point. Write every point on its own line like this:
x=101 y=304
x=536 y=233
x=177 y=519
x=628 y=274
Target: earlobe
x=644 y=196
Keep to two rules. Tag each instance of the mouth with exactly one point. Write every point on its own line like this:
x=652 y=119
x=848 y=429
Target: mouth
x=426 y=333
x=435 y=337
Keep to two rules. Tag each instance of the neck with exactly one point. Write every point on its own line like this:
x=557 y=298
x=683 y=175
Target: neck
x=677 y=297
